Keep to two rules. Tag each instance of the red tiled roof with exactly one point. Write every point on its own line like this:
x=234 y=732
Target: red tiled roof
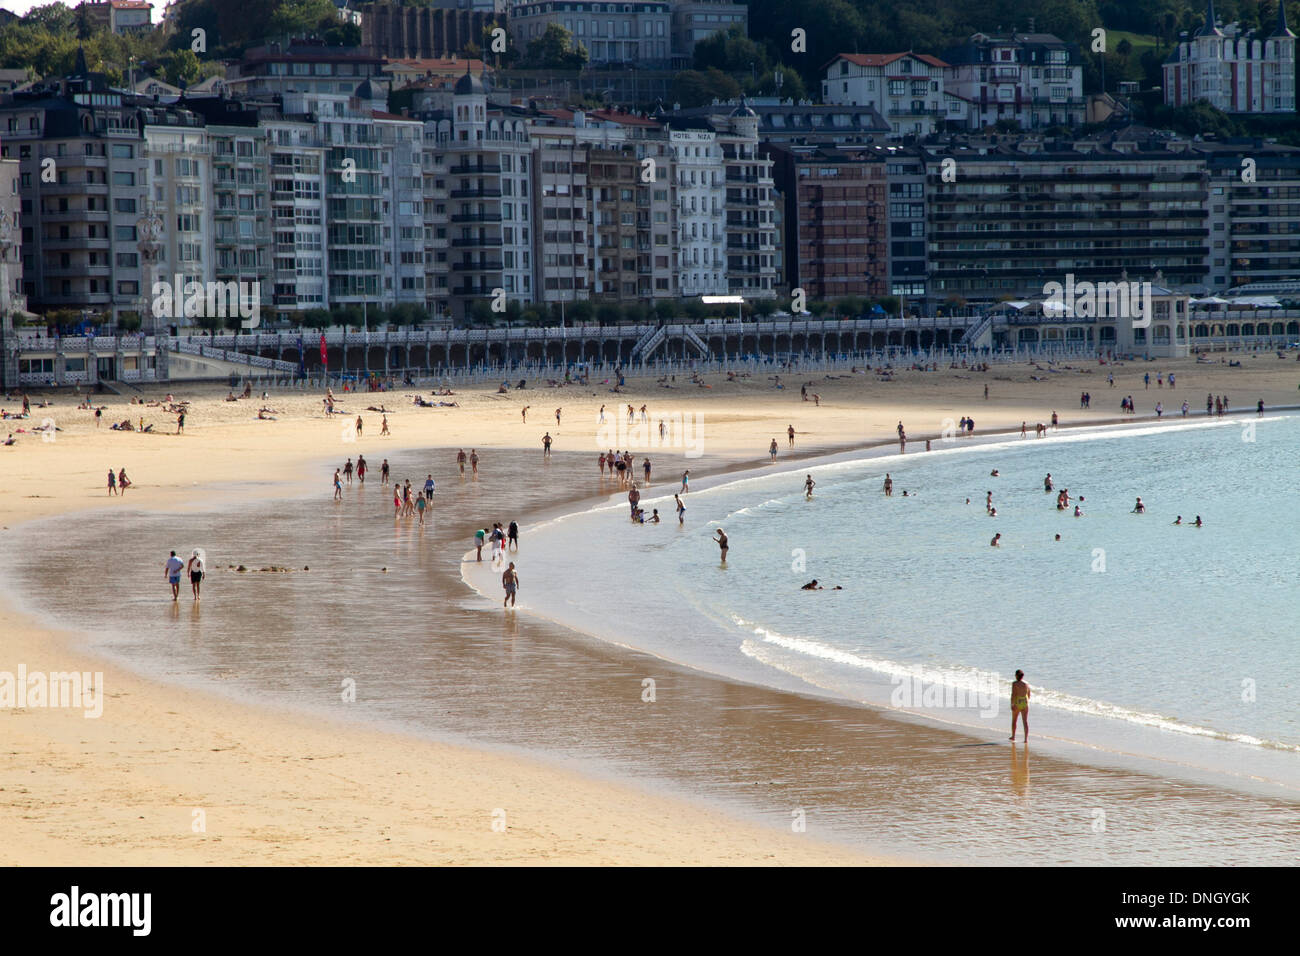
x=884 y=59
x=624 y=119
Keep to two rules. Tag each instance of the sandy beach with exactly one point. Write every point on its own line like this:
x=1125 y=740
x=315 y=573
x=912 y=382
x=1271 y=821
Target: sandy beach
x=281 y=787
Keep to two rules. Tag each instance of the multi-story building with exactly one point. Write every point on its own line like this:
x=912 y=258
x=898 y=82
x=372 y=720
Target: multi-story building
x=905 y=88
x=696 y=20
x=179 y=176
x=834 y=216
x=1034 y=80
x=478 y=194
x=905 y=216
x=634 y=33
x=299 y=277
x=1254 y=226
x=79 y=210
x=303 y=67
x=119 y=16
x=701 y=196
x=440 y=29
x=749 y=204
x=1018 y=215
x=11 y=260
x=1232 y=70
x=802 y=123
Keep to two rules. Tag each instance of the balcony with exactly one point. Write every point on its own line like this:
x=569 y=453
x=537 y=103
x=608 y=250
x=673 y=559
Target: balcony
x=474 y=170
x=485 y=193
x=477 y=217
x=476 y=243
x=491 y=265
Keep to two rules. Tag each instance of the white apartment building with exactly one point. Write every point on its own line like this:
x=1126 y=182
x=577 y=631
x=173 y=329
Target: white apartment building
x=907 y=89
x=300 y=273
x=701 y=220
x=1032 y=79
x=1232 y=70
x=178 y=171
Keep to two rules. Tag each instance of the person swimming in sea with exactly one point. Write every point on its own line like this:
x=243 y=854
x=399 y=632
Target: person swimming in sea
x=1047 y=482
x=996 y=538
x=1197 y=522
x=1020 y=704
x=812 y=586
x=1178 y=520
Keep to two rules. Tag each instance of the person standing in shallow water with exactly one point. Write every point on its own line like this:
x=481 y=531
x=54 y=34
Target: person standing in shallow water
x=1020 y=704
x=722 y=544
x=510 y=581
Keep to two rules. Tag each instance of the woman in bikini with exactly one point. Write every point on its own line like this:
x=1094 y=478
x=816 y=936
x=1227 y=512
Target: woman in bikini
x=1020 y=704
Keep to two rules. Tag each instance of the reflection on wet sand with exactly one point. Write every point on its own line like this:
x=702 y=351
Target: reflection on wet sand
x=382 y=605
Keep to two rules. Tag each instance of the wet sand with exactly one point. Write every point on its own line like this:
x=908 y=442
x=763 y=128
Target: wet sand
x=864 y=780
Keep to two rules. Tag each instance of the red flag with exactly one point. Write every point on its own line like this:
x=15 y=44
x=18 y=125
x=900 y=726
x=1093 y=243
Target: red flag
x=323 y=359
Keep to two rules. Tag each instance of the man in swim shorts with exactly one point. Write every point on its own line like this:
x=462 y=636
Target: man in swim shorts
x=510 y=581
x=173 y=570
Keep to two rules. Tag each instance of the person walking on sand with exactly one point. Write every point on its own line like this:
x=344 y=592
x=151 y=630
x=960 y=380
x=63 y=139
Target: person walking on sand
x=397 y=501
x=180 y=422
x=420 y=504
x=789 y=432
x=383 y=429
x=358 y=426
x=771 y=450
x=112 y=482
x=686 y=481
x=361 y=469
x=602 y=416
x=1020 y=704
x=524 y=412
x=645 y=470
x=347 y=471
x=889 y=486
x=172 y=569
x=510 y=581
x=473 y=460
x=557 y=416
x=461 y=458
x=681 y=509
x=338 y=486
x=512 y=535
x=429 y=485
x=195 y=568
x=383 y=473
x=546 y=445
x=123 y=482
x=479 y=537
x=722 y=544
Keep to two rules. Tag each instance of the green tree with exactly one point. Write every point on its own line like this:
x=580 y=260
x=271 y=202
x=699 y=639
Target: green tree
x=731 y=52
x=128 y=321
x=609 y=313
x=693 y=88
x=180 y=67
x=555 y=49
x=52 y=17
x=763 y=307
x=316 y=319
x=665 y=311
x=582 y=311
x=480 y=313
